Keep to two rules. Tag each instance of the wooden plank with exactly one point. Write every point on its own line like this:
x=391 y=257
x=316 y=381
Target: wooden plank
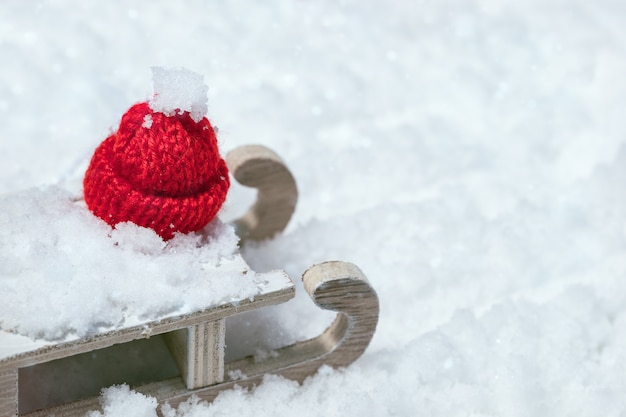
x=277 y=289
x=206 y=359
x=75 y=409
x=199 y=353
x=8 y=391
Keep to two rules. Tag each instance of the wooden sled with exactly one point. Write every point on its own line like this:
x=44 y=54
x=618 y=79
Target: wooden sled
x=195 y=341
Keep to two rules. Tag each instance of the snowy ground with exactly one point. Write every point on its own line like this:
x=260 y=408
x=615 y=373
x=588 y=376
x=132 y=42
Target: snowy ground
x=469 y=156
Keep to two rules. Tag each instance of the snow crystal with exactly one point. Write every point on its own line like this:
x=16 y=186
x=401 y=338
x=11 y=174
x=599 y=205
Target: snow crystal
x=147 y=121
x=179 y=90
x=120 y=400
x=56 y=254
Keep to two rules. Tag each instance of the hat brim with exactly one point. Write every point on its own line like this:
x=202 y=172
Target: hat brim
x=114 y=200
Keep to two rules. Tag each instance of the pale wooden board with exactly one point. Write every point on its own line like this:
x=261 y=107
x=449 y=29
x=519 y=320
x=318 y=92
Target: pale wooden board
x=199 y=352
x=15 y=348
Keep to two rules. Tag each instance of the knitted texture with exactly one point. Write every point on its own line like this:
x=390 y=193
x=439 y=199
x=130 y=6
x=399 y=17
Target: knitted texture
x=157 y=171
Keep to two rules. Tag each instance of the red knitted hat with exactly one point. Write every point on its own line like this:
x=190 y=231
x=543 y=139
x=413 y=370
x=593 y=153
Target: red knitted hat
x=161 y=171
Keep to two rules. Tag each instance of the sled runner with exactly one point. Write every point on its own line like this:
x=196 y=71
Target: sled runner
x=194 y=342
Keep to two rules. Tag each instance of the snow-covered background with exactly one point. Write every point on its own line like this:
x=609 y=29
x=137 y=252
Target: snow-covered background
x=469 y=156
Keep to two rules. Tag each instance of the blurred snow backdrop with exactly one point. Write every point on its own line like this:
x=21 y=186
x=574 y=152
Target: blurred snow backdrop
x=469 y=156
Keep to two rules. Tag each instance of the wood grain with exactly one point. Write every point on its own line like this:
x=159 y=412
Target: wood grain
x=8 y=391
x=259 y=167
x=199 y=352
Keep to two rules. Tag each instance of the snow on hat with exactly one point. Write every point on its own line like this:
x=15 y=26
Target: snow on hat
x=162 y=168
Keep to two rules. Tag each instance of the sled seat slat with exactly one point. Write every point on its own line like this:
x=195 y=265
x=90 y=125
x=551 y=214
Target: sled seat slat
x=195 y=340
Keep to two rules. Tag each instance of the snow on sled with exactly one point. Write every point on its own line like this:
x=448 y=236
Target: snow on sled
x=194 y=340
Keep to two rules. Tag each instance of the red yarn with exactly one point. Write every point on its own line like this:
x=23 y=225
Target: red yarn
x=157 y=171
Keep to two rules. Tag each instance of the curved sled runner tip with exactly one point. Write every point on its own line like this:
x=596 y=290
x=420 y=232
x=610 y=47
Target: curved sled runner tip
x=336 y=286
x=259 y=167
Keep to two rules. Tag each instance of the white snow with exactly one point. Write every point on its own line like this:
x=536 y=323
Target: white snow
x=56 y=255
x=118 y=399
x=177 y=90
x=147 y=121
x=468 y=155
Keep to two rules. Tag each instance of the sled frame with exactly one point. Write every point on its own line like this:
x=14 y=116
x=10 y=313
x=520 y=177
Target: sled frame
x=196 y=340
